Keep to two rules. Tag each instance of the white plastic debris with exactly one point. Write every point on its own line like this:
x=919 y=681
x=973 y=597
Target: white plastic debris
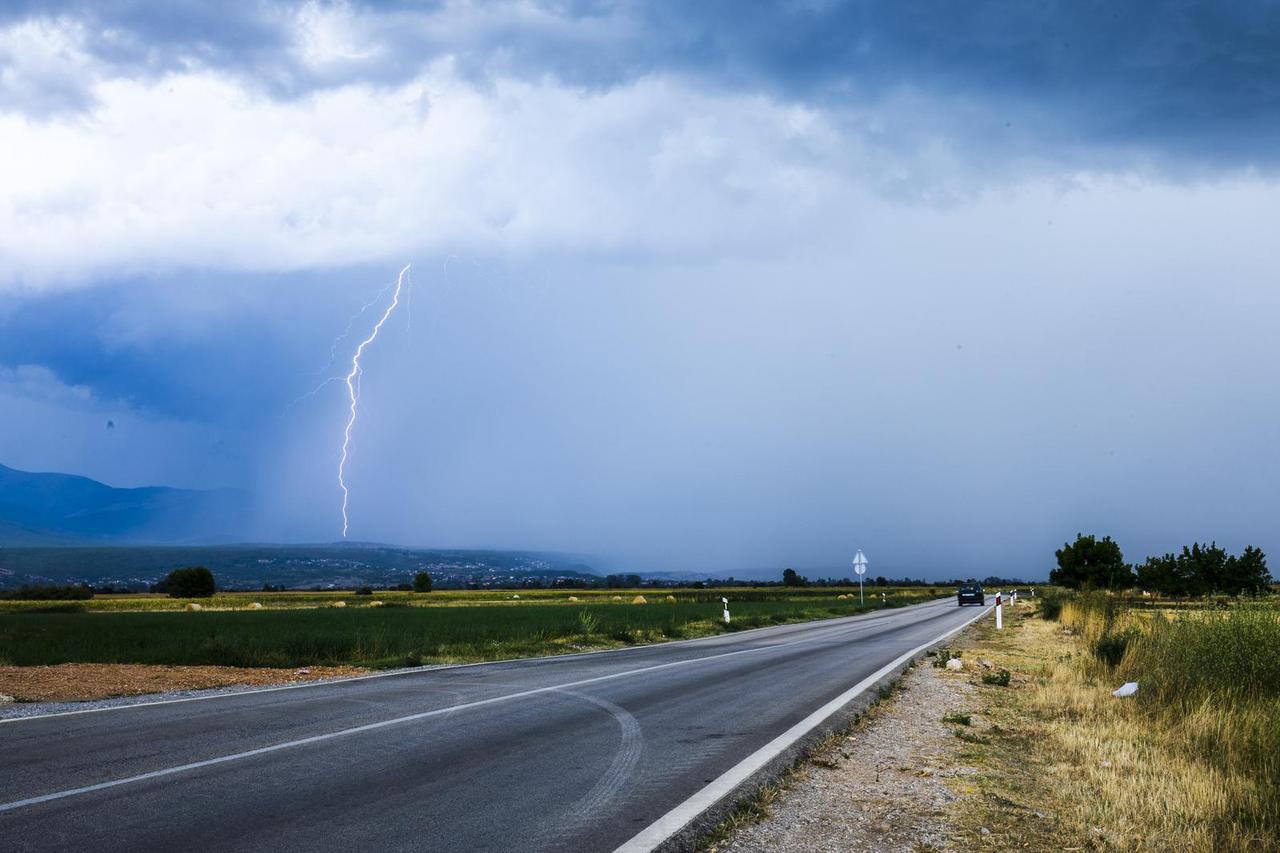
x=1127 y=689
x=955 y=664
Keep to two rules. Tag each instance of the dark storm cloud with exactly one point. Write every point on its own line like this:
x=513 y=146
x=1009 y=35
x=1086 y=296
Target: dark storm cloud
x=1197 y=80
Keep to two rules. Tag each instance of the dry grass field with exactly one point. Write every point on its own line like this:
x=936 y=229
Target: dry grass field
x=1191 y=762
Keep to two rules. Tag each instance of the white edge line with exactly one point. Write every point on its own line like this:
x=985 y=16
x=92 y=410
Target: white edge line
x=438 y=667
x=367 y=727
x=649 y=838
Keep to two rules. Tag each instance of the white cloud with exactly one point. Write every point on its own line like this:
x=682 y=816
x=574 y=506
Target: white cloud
x=193 y=170
x=37 y=382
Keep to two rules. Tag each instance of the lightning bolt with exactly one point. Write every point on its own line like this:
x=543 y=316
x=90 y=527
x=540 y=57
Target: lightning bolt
x=353 y=394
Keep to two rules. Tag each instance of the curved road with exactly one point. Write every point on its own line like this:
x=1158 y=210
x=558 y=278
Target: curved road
x=585 y=752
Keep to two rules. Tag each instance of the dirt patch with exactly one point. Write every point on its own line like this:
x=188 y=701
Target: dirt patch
x=888 y=785
x=79 y=681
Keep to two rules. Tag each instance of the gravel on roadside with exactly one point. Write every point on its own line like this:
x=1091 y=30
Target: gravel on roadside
x=886 y=786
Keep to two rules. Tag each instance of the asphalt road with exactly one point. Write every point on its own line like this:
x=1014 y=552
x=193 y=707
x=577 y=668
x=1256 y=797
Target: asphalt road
x=568 y=753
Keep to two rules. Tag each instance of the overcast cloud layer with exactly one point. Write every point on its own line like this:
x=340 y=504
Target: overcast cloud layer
x=693 y=288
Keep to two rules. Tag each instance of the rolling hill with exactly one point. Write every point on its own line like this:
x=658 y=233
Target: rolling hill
x=64 y=509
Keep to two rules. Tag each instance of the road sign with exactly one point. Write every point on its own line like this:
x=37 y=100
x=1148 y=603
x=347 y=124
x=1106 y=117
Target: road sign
x=860 y=567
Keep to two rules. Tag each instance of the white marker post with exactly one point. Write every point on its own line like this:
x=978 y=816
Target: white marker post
x=999 y=614
x=860 y=566
x=726 y=610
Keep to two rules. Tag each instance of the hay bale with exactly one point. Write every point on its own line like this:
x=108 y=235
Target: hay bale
x=639 y=599
x=573 y=598
x=375 y=603
x=515 y=596
x=617 y=598
x=671 y=598
x=192 y=607
x=254 y=605
x=339 y=604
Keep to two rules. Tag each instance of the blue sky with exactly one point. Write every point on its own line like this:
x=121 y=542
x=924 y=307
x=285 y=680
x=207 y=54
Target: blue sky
x=695 y=286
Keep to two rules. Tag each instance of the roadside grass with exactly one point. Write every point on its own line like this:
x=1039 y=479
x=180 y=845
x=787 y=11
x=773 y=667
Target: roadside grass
x=1192 y=762
x=305 y=599
x=389 y=636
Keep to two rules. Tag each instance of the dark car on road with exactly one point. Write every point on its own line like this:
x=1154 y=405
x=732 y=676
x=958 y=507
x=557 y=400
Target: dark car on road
x=971 y=594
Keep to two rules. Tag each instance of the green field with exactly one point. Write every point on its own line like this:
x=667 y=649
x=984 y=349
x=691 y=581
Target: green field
x=298 y=629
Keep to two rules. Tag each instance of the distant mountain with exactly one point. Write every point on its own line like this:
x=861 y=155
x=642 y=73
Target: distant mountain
x=64 y=509
x=249 y=566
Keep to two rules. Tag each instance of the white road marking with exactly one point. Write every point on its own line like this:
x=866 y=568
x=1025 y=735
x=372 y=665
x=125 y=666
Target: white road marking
x=678 y=818
x=863 y=617
x=368 y=727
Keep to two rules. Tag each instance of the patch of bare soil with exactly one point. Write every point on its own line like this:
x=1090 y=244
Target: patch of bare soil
x=883 y=787
x=79 y=681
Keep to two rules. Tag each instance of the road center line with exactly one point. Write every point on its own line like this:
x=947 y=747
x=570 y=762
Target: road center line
x=678 y=818
x=368 y=727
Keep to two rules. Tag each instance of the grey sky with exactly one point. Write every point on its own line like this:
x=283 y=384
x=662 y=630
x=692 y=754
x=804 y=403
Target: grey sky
x=692 y=289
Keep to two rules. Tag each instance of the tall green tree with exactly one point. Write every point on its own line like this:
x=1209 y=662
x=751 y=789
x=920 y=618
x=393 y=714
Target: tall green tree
x=1206 y=569
x=1163 y=574
x=1247 y=573
x=422 y=582
x=790 y=578
x=1091 y=562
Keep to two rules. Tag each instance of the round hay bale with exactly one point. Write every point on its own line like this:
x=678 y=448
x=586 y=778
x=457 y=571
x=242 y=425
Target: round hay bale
x=339 y=604
x=255 y=605
x=515 y=596
x=192 y=607
x=639 y=599
x=671 y=598
x=573 y=598
x=617 y=598
x=375 y=603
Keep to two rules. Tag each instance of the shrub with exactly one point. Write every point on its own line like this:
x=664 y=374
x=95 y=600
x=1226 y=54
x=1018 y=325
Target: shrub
x=188 y=582
x=364 y=590
x=1051 y=604
x=944 y=655
x=958 y=719
x=999 y=678
x=587 y=623
x=48 y=593
x=1110 y=648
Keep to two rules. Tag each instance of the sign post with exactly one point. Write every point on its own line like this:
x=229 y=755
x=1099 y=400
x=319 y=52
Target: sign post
x=726 y=609
x=860 y=567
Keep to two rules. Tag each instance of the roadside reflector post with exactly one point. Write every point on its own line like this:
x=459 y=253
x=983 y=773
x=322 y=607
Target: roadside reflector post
x=999 y=614
x=725 y=601
x=882 y=600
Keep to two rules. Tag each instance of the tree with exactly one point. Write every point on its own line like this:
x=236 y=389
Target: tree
x=1090 y=562
x=422 y=582
x=1248 y=572
x=1162 y=575
x=188 y=582
x=1204 y=569
x=790 y=578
